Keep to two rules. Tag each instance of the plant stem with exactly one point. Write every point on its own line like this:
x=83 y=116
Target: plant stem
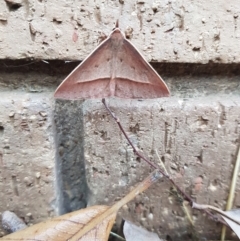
x=232 y=191
x=152 y=164
x=137 y=153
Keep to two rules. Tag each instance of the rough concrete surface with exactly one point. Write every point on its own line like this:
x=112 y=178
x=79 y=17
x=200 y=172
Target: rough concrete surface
x=27 y=156
x=170 y=31
x=197 y=139
x=195 y=129
x=55 y=158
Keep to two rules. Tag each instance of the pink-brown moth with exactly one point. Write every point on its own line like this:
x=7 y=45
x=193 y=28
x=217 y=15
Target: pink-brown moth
x=114 y=68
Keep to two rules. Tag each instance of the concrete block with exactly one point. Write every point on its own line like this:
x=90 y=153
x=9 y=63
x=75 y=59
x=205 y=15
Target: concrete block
x=175 y=31
x=197 y=139
x=27 y=156
x=196 y=133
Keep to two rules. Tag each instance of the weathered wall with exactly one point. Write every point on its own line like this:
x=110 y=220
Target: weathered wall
x=171 y=31
x=196 y=139
x=28 y=168
x=58 y=157
x=27 y=155
x=186 y=131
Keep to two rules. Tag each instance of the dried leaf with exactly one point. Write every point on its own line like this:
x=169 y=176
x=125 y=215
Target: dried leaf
x=232 y=217
x=90 y=224
x=135 y=233
x=64 y=227
x=234 y=214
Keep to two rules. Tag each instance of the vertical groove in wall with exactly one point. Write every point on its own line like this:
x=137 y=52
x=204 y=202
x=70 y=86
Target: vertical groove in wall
x=70 y=155
x=58 y=167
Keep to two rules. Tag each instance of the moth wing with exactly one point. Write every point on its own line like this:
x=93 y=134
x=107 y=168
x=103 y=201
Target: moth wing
x=90 y=79
x=116 y=56
x=135 y=77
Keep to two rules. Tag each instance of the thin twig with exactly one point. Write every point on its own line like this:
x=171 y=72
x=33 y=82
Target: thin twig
x=219 y=211
x=161 y=162
x=152 y=164
x=185 y=195
x=130 y=142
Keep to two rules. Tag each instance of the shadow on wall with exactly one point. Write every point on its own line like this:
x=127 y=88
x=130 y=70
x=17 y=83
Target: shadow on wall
x=71 y=179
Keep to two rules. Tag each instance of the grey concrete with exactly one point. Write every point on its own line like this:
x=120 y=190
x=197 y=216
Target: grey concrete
x=164 y=31
x=81 y=135
x=59 y=157
x=27 y=156
x=197 y=139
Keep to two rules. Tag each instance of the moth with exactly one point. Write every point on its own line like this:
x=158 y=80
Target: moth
x=114 y=68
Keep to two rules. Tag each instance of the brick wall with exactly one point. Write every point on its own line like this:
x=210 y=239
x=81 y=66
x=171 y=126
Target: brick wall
x=60 y=156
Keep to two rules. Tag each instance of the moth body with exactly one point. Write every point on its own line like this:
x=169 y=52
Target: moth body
x=114 y=68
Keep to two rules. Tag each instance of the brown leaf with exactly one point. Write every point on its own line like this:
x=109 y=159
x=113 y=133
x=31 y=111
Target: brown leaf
x=135 y=233
x=64 y=227
x=89 y=224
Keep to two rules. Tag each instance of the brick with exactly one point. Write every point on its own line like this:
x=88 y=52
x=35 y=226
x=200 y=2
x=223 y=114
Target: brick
x=163 y=31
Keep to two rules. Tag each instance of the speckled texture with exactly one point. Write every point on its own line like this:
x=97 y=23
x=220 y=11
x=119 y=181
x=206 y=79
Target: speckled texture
x=27 y=156
x=196 y=132
x=85 y=136
x=197 y=139
x=170 y=31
